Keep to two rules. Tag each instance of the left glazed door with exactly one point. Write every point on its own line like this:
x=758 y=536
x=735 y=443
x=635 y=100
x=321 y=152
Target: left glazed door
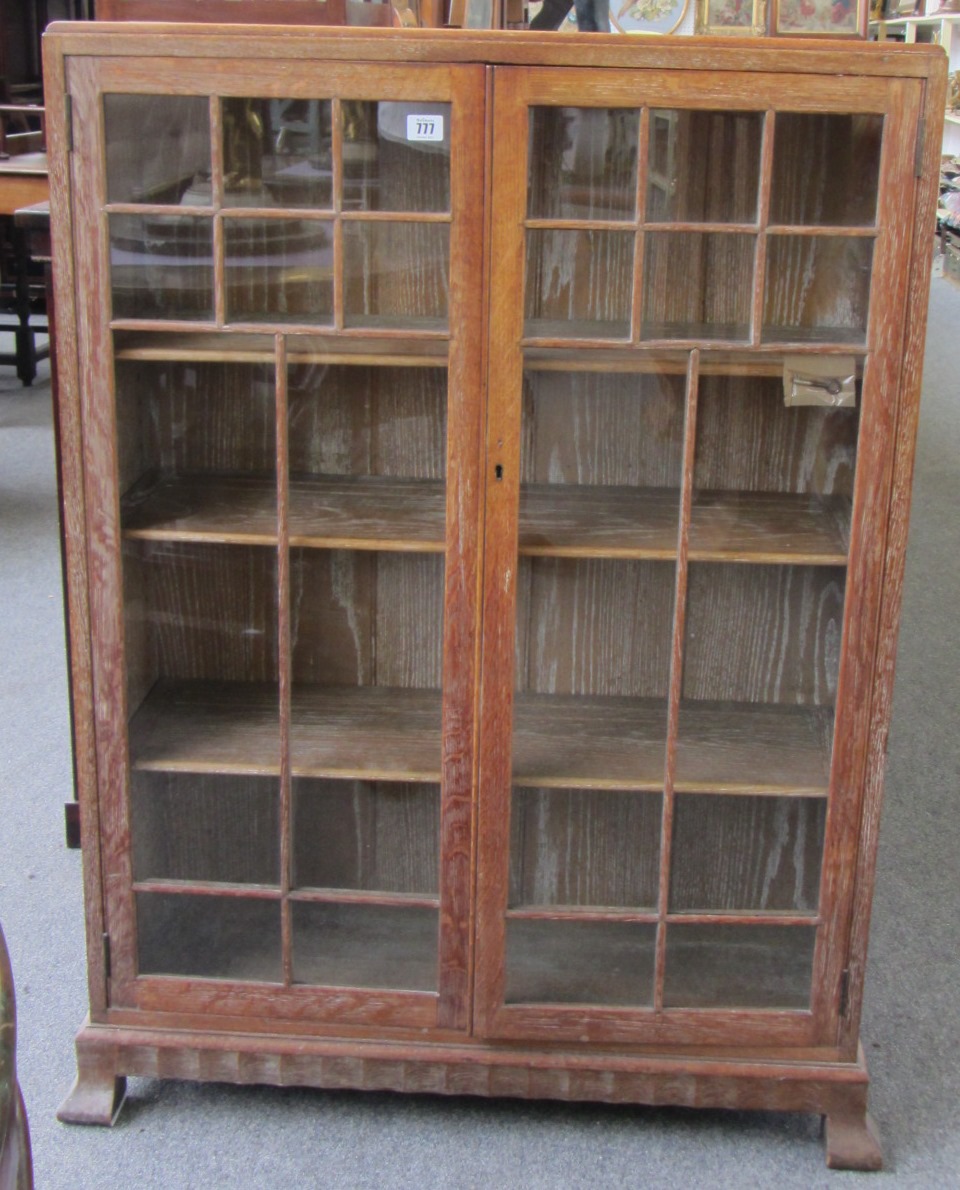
x=280 y=379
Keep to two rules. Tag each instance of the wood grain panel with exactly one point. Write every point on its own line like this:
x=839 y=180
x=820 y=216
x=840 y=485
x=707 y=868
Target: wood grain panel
x=738 y=853
x=767 y=634
x=591 y=428
x=825 y=168
x=748 y=440
x=358 y=835
x=577 y=847
x=593 y=627
x=580 y=282
x=204 y=827
x=697 y=285
x=817 y=287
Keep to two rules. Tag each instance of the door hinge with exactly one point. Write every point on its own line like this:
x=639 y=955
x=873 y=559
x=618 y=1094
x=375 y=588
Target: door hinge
x=918 y=154
x=105 y=939
x=844 y=991
x=71 y=821
x=68 y=120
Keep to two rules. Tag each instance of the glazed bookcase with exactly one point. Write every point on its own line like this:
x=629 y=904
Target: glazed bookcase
x=487 y=463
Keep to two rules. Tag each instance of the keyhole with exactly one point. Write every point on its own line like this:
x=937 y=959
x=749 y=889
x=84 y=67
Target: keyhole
x=498 y=471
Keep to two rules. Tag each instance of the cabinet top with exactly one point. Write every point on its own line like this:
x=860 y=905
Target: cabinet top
x=499 y=47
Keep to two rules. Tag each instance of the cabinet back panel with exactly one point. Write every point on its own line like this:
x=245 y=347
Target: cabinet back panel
x=594 y=626
x=218 y=937
x=749 y=441
x=366 y=619
x=195 y=418
x=746 y=853
x=763 y=633
x=602 y=429
x=368 y=421
x=202 y=826
x=372 y=836
x=583 y=847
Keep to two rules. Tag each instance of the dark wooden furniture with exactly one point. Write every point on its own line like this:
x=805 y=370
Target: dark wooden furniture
x=487 y=462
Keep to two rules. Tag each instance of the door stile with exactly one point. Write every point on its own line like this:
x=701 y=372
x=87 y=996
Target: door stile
x=763 y=219
x=676 y=672
x=284 y=658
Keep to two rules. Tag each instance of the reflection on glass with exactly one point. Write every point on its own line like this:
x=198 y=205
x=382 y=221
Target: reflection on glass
x=212 y=937
x=396 y=156
x=278 y=270
x=161 y=267
x=158 y=149
x=584 y=847
x=367 y=946
x=579 y=284
x=205 y=827
x=697 y=285
x=817 y=289
x=396 y=275
x=738 y=966
x=580 y=962
x=277 y=153
x=704 y=167
x=746 y=853
x=826 y=169
x=375 y=836
x=583 y=163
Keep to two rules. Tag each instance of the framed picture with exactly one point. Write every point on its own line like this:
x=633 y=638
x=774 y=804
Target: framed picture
x=726 y=18
x=819 y=18
x=647 y=16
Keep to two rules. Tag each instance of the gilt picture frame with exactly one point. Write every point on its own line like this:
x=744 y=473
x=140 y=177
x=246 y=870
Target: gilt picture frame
x=732 y=18
x=819 y=18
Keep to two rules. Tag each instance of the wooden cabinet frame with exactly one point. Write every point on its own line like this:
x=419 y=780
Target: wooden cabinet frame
x=466 y=1037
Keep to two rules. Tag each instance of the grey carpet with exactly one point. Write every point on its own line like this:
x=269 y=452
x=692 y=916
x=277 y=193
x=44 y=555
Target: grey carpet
x=183 y=1135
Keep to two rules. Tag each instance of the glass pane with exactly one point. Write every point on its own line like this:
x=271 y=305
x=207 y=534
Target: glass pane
x=583 y=163
x=579 y=284
x=196 y=445
x=704 y=167
x=739 y=966
x=158 y=149
x=205 y=827
x=396 y=275
x=826 y=169
x=161 y=266
x=367 y=946
x=212 y=937
x=372 y=836
x=396 y=156
x=771 y=481
x=746 y=853
x=761 y=662
x=697 y=285
x=276 y=153
x=278 y=270
x=817 y=289
x=580 y=962
x=584 y=847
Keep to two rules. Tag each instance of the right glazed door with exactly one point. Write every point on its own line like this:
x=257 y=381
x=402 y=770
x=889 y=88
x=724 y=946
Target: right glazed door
x=694 y=367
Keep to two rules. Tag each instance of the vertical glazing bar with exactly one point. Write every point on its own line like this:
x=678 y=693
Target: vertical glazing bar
x=640 y=214
x=676 y=668
x=216 y=198
x=763 y=218
x=284 y=664
x=336 y=161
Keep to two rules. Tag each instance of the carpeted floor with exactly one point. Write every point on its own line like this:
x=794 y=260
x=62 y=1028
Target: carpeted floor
x=182 y=1135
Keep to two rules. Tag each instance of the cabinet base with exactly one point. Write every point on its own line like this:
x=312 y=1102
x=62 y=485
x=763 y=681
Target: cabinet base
x=835 y=1090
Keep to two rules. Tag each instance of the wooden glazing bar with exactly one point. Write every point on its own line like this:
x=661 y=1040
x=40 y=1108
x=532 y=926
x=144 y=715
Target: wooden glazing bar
x=155 y=208
x=763 y=215
x=644 y=359
x=676 y=673
x=352 y=896
x=336 y=161
x=639 y=241
x=627 y=223
x=284 y=660
x=216 y=152
x=166 y=325
x=281 y=214
x=193 y=342
x=576 y=913
x=736 y=918
x=208 y=888
x=830 y=231
x=219 y=272
x=704 y=228
x=396 y=216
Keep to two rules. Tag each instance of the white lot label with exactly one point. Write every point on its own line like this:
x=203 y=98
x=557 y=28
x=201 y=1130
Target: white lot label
x=425 y=128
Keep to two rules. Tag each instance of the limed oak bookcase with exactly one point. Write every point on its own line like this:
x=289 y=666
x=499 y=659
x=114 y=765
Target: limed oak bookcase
x=487 y=463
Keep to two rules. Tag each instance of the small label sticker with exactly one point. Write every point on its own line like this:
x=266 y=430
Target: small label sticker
x=425 y=128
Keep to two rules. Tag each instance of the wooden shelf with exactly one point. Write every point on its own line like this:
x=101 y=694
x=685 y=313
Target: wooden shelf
x=556 y=520
x=563 y=741
x=764 y=360
x=254 y=347
x=372 y=733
